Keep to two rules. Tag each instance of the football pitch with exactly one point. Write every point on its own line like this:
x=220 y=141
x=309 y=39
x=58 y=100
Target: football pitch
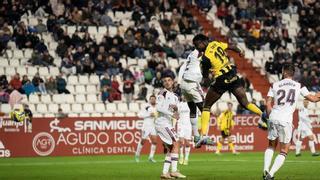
x=201 y=166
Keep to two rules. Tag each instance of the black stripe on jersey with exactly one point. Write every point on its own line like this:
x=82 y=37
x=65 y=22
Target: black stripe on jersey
x=147 y=108
x=163 y=93
x=206 y=66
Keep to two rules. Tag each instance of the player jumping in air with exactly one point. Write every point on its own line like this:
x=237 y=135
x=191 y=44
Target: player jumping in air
x=225 y=124
x=167 y=107
x=184 y=131
x=305 y=130
x=148 y=113
x=284 y=94
x=215 y=60
x=189 y=78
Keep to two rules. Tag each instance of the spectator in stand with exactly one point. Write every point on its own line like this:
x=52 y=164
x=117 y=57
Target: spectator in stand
x=67 y=66
x=3 y=82
x=88 y=65
x=24 y=79
x=38 y=83
x=115 y=91
x=138 y=76
x=306 y=80
x=105 y=81
x=112 y=66
x=61 y=114
x=127 y=74
x=40 y=27
x=16 y=83
x=4 y=96
x=105 y=94
x=61 y=85
x=148 y=74
x=47 y=59
x=29 y=88
x=100 y=65
x=128 y=89
x=51 y=85
x=157 y=81
x=143 y=91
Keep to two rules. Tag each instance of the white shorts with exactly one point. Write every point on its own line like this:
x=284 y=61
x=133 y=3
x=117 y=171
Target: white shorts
x=185 y=131
x=146 y=132
x=168 y=135
x=283 y=131
x=192 y=91
x=305 y=132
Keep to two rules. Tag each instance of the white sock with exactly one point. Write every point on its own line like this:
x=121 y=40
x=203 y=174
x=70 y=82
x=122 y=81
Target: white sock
x=167 y=163
x=312 y=148
x=268 y=154
x=194 y=124
x=174 y=162
x=278 y=162
x=187 y=151
x=139 y=148
x=298 y=146
x=152 y=150
x=181 y=152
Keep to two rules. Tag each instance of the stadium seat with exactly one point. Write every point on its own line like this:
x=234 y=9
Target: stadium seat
x=76 y=108
x=91 y=89
x=4 y=63
x=65 y=108
x=58 y=98
x=225 y=97
x=292 y=32
x=10 y=71
x=32 y=70
x=42 y=108
x=2 y=71
x=73 y=115
x=71 y=29
x=173 y=63
x=100 y=107
x=22 y=70
x=88 y=108
x=53 y=45
x=80 y=89
x=248 y=54
x=94 y=79
x=37 y=115
x=14 y=62
x=5 y=108
x=295 y=17
x=107 y=114
x=28 y=53
x=32 y=21
x=34 y=98
x=268 y=54
x=112 y=31
x=258 y=54
x=84 y=79
x=18 y=54
x=111 y=108
x=118 y=114
x=92 y=98
x=134 y=107
x=102 y=30
x=222 y=106
x=73 y=80
x=95 y=115
x=46 y=98
x=84 y=115
x=71 y=89
x=130 y=114
x=69 y=98
x=256 y=95
x=53 y=108
x=54 y=71
x=122 y=107
x=43 y=71
x=80 y=98
x=48 y=115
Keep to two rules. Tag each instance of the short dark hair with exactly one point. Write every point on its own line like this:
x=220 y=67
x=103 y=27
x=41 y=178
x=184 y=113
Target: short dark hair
x=152 y=95
x=289 y=68
x=199 y=38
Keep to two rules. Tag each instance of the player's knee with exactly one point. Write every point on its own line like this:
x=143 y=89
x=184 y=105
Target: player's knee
x=311 y=138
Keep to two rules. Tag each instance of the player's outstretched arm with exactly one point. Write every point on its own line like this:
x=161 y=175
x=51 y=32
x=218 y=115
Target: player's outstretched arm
x=235 y=48
x=313 y=98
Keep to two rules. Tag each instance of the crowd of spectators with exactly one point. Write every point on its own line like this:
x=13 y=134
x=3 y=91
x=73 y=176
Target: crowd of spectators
x=260 y=25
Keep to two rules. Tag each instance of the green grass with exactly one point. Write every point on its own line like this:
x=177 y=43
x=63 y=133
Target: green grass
x=201 y=166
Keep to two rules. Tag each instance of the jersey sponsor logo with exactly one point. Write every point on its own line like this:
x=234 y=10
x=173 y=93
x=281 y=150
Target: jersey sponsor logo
x=43 y=144
x=3 y=151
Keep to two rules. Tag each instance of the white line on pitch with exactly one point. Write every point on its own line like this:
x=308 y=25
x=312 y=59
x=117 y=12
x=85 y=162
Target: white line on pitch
x=124 y=162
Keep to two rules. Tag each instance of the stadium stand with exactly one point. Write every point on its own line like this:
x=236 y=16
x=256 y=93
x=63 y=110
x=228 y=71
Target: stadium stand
x=75 y=43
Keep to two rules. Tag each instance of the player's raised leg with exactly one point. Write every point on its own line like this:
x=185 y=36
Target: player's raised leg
x=241 y=96
x=194 y=119
x=138 y=150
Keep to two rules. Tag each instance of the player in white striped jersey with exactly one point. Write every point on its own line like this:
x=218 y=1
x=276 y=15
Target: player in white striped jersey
x=305 y=130
x=184 y=131
x=284 y=94
x=189 y=79
x=148 y=113
x=167 y=107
